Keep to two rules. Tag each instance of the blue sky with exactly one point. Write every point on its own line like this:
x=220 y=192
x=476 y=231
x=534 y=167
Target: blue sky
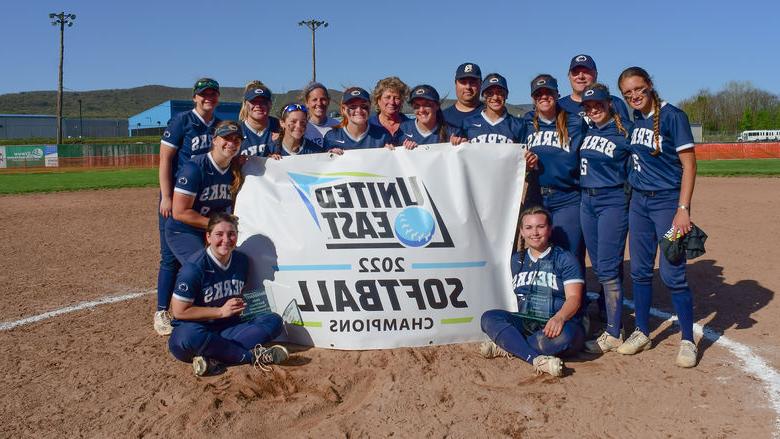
x=686 y=45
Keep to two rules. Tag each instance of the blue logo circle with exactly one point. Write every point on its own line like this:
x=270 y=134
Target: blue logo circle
x=414 y=226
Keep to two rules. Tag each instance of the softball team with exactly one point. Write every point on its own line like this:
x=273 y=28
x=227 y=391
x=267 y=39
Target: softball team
x=595 y=177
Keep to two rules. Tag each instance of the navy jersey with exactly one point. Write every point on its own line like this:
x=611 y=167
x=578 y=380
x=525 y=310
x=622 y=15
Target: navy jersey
x=575 y=108
x=204 y=281
x=455 y=117
x=558 y=161
x=604 y=156
x=539 y=283
x=478 y=129
x=202 y=179
x=410 y=130
x=190 y=135
x=258 y=144
x=307 y=147
x=662 y=172
x=316 y=133
x=395 y=139
x=374 y=137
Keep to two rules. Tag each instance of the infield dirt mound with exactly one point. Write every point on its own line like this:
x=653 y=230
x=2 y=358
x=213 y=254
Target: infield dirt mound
x=104 y=373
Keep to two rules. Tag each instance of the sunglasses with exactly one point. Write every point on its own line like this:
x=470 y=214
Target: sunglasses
x=207 y=84
x=294 y=107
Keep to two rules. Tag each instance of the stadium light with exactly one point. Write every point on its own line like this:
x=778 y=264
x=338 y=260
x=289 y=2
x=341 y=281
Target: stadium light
x=313 y=25
x=62 y=19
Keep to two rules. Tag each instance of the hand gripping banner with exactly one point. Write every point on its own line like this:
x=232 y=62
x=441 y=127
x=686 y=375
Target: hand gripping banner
x=380 y=249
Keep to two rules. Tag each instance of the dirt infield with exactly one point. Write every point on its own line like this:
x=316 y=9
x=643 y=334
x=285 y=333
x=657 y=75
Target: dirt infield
x=103 y=372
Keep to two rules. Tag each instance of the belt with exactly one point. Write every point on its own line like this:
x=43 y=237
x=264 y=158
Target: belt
x=600 y=190
x=547 y=190
x=652 y=194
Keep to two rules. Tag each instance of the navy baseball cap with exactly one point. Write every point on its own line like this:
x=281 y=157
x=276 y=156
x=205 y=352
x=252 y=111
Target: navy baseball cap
x=468 y=70
x=424 y=91
x=228 y=129
x=204 y=84
x=544 y=81
x=353 y=93
x=596 y=94
x=493 y=79
x=582 y=60
x=261 y=91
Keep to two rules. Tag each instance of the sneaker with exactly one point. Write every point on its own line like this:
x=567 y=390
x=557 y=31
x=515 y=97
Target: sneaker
x=162 y=322
x=548 y=364
x=686 y=357
x=637 y=342
x=206 y=366
x=265 y=357
x=605 y=343
x=488 y=349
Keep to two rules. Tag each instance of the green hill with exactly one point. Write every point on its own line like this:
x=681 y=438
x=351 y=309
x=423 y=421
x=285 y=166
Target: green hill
x=123 y=103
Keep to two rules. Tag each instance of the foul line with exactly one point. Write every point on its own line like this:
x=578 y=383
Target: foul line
x=5 y=326
x=751 y=362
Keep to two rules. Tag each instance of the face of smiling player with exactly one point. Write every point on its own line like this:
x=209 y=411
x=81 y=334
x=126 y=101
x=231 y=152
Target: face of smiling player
x=495 y=100
x=597 y=111
x=259 y=108
x=580 y=78
x=390 y=103
x=356 y=111
x=223 y=149
x=425 y=112
x=294 y=124
x=318 y=102
x=222 y=240
x=206 y=102
x=467 y=91
x=544 y=102
x=536 y=232
x=636 y=92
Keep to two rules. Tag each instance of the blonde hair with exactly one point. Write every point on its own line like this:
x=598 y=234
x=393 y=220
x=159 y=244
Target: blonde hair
x=393 y=83
x=533 y=210
x=561 y=116
x=244 y=113
x=235 y=168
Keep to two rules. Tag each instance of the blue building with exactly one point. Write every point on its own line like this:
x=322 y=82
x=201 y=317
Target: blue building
x=153 y=121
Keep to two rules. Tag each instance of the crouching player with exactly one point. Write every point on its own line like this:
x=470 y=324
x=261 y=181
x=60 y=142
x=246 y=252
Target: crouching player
x=207 y=304
x=549 y=284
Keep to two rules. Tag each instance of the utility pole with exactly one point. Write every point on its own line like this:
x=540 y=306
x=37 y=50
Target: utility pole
x=62 y=19
x=81 y=122
x=313 y=25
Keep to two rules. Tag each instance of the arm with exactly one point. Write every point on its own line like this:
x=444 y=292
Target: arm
x=167 y=156
x=186 y=311
x=182 y=211
x=682 y=219
x=570 y=307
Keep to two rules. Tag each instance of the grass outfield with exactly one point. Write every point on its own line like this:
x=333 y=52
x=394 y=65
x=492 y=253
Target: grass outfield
x=742 y=168
x=72 y=180
x=18 y=183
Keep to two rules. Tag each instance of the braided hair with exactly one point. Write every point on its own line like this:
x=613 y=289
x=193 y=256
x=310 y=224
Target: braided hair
x=656 y=102
x=533 y=210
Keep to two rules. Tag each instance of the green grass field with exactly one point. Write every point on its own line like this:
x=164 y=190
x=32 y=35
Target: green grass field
x=18 y=183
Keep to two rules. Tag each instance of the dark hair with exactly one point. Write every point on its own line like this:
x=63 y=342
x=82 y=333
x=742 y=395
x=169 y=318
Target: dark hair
x=221 y=217
x=533 y=210
x=235 y=168
x=612 y=113
x=310 y=87
x=561 y=115
x=642 y=73
x=282 y=117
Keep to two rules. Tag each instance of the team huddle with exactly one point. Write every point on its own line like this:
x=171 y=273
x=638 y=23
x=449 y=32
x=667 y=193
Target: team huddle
x=595 y=175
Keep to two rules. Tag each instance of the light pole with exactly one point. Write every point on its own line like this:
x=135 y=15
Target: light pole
x=62 y=19
x=313 y=25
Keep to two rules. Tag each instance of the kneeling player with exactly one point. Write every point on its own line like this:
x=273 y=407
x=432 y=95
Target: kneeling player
x=207 y=303
x=548 y=282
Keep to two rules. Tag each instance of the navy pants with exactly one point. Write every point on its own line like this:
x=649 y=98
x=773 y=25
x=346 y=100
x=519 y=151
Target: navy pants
x=507 y=330
x=184 y=244
x=565 y=210
x=169 y=268
x=230 y=342
x=650 y=217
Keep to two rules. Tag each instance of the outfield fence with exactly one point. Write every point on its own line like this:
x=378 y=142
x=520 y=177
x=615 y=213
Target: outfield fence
x=21 y=158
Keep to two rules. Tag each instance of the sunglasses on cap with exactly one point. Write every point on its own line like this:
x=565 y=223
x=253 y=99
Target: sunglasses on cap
x=206 y=84
x=294 y=107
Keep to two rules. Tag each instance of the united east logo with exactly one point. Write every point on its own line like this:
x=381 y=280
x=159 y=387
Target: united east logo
x=356 y=210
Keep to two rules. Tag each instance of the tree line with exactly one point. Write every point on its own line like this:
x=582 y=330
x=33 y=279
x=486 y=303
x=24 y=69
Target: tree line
x=738 y=107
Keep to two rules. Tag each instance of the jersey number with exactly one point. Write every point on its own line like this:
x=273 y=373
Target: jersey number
x=583 y=166
x=635 y=158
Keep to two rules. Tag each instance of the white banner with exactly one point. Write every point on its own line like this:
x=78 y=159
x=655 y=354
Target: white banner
x=380 y=249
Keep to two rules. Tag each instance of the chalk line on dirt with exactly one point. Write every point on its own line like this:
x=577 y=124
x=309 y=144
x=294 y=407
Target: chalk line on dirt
x=5 y=326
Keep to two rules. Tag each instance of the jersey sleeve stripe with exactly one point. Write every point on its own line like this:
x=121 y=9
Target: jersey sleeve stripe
x=573 y=281
x=684 y=147
x=183 y=299
x=169 y=144
x=184 y=191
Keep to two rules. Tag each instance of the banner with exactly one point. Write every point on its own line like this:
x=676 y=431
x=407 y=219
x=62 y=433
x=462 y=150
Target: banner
x=380 y=249
x=24 y=156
